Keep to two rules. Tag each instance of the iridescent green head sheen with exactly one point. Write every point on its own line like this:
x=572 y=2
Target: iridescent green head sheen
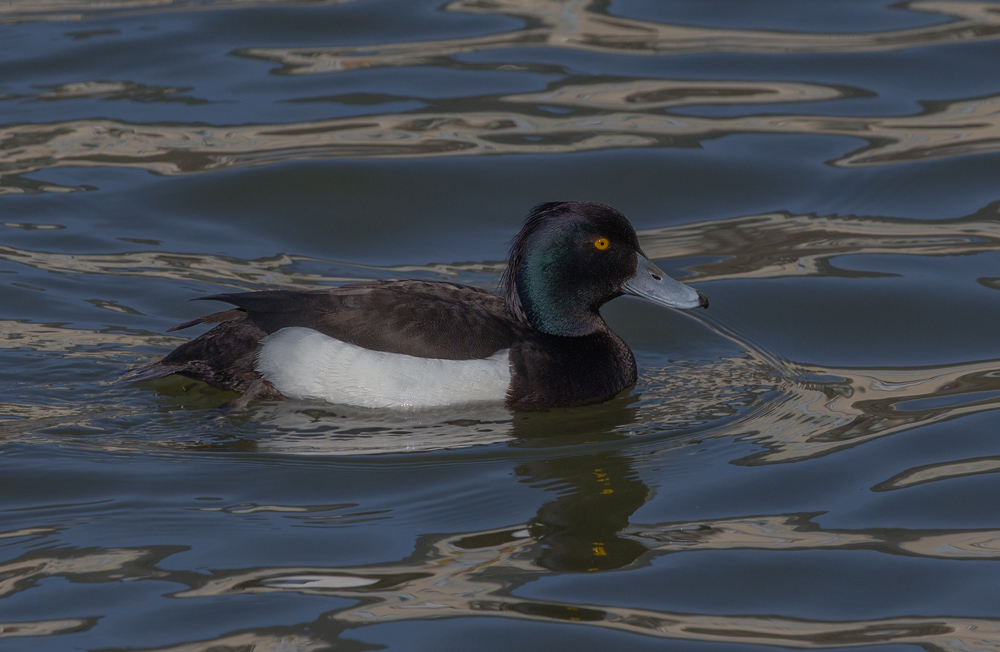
x=570 y=258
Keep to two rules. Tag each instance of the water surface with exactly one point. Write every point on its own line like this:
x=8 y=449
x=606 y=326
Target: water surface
x=810 y=464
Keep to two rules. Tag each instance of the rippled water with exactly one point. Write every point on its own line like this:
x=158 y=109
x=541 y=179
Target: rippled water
x=810 y=464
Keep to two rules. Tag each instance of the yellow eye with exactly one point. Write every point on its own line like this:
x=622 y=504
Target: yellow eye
x=602 y=243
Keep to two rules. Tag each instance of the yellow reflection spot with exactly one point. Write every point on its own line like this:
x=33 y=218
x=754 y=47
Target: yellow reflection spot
x=608 y=491
x=599 y=551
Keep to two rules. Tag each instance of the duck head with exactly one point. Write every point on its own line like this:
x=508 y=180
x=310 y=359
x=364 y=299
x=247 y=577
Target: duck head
x=570 y=258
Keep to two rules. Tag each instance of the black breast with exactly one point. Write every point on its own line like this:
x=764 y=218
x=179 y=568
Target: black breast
x=550 y=371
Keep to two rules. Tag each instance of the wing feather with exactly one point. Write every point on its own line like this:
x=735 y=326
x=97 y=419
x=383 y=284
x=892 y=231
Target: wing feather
x=418 y=318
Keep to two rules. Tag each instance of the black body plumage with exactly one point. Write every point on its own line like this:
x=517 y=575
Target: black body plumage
x=562 y=353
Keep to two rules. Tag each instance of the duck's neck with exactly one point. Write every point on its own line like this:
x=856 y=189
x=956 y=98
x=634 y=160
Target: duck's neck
x=550 y=307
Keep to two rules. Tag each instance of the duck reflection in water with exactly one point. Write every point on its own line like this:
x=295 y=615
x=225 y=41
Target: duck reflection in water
x=581 y=529
x=596 y=493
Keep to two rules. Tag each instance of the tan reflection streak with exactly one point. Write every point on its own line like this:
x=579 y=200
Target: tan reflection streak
x=91 y=89
x=447 y=575
x=218 y=270
x=109 y=91
x=252 y=508
x=45 y=627
x=661 y=93
x=780 y=245
x=941 y=471
x=968 y=545
x=12 y=414
x=270 y=272
x=28 y=532
x=75 y=341
x=579 y=25
x=798 y=532
x=19 y=418
x=945 y=634
x=250 y=641
x=459 y=579
x=19 y=11
x=109 y=563
x=781 y=532
x=958 y=128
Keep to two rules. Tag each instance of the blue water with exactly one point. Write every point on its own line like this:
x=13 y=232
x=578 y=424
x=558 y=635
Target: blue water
x=809 y=464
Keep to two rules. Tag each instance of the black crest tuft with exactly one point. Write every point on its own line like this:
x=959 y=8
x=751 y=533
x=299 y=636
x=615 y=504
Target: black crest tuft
x=538 y=216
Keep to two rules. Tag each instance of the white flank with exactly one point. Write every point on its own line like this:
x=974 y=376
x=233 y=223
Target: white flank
x=302 y=363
